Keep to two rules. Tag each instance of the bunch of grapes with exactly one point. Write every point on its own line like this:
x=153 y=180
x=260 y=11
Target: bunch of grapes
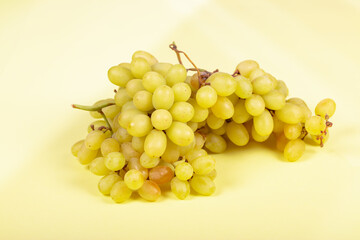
x=158 y=128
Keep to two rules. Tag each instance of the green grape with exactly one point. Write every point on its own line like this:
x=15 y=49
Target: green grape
x=264 y=123
x=76 y=147
x=150 y=191
x=96 y=114
x=125 y=65
x=152 y=80
x=119 y=75
x=96 y=125
x=109 y=145
x=97 y=167
x=193 y=82
x=176 y=74
x=161 y=119
x=134 y=86
x=126 y=116
x=255 y=105
x=148 y=162
x=262 y=85
x=178 y=162
x=292 y=131
x=255 y=73
x=128 y=151
x=185 y=149
x=221 y=130
x=182 y=92
x=199 y=140
x=194 y=154
x=143 y=101
x=167 y=164
x=120 y=192
x=212 y=175
x=274 y=100
x=240 y=113
x=325 y=107
x=200 y=114
x=223 y=108
x=203 y=165
x=278 y=125
x=233 y=99
x=223 y=83
x=163 y=97
x=94 y=139
x=111 y=111
x=317 y=138
x=134 y=179
x=181 y=189
x=114 y=161
x=257 y=137
x=294 y=149
x=161 y=68
x=139 y=66
x=214 y=122
x=140 y=126
x=115 y=123
x=244 y=88
x=206 y=97
x=290 y=113
x=138 y=144
x=86 y=155
x=122 y=135
x=127 y=106
x=305 y=109
x=184 y=171
x=107 y=182
x=161 y=174
x=145 y=55
x=246 y=67
x=281 y=86
x=155 y=143
x=202 y=185
x=315 y=125
x=237 y=133
x=172 y=152
x=182 y=111
x=193 y=125
x=180 y=133
x=134 y=163
x=281 y=142
x=215 y=143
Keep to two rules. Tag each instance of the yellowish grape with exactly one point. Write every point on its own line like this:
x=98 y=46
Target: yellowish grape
x=140 y=125
x=180 y=133
x=150 y=191
x=109 y=145
x=294 y=149
x=240 y=113
x=152 y=80
x=202 y=185
x=255 y=105
x=215 y=143
x=264 y=123
x=325 y=107
x=246 y=67
x=155 y=143
x=182 y=111
x=76 y=147
x=290 y=113
x=139 y=66
x=97 y=167
x=206 y=97
x=184 y=171
x=134 y=86
x=176 y=74
x=315 y=125
x=180 y=188
x=147 y=56
x=223 y=83
x=244 y=88
x=161 y=119
x=107 y=182
x=223 y=108
x=143 y=101
x=119 y=75
x=120 y=192
x=237 y=133
x=161 y=68
x=182 y=92
x=163 y=97
x=134 y=179
x=114 y=161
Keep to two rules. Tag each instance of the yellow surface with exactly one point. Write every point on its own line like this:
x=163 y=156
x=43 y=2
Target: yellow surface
x=54 y=53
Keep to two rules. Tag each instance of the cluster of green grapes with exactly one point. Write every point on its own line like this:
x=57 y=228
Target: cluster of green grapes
x=155 y=130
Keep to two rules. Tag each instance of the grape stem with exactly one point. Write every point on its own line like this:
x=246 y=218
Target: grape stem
x=98 y=109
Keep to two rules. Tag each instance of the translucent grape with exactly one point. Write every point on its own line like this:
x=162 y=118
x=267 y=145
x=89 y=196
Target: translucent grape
x=161 y=119
x=240 y=113
x=122 y=135
x=203 y=165
x=294 y=149
x=147 y=56
x=257 y=137
x=317 y=138
x=206 y=97
x=86 y=155
x=214 y=122
x=244 y=88
x=281 y=141
x=155 y=143
x=161 y=68
x=140 y=125
x=257 y=72
x=76 y=147
x=325 y=107
x=111 y=111
x=281 y=86
x=182 y=92
x=178 y=162
x=176 y=74
x=194 y=154
x=121 y=97
x=255 y=105
x=96 y=125
x=172 y=152
x=161 y=174
x=223 y=83
x=305 y=109
x=128 y=151
x=148 y=162
x=237 y=133
x=139 y=66
x=109 y=145
x=221 y=130
x=180 y=133
x=182 y=111
x=107 y=182
x=114 y=161
x=264 y=123
x=150 y=191
x=262 y=85
x=119 y=75
x=187 y=148
x=202 y=185
x=223 y=108
x=215 y=143
x=94 y=139
x=134 y=179
x=152 y=80
x=125 y=65
x=246 y=67
x=180 y=188
x=97 y=167
x=126 y=116
x=212 y=175
x=200 y=114
x=96 y=114
x=290 y=113
x=278 y=125
x=292 y=131
x=134 y=86
x=163 y=97
x=143 y=101
x=138 y=144
x=128 y=105
x=120 y=192
x=184 y=171
x=134 y=163
x=233 y=99
x=315 y=125
x=199 y=140
x=193 y=125
x=274 y=100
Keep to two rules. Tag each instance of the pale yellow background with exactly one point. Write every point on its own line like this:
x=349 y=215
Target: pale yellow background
x=54 y=53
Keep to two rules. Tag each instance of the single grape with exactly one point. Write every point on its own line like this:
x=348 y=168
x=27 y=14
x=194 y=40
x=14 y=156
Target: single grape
x=240 y=113
x=161 y=68
x=262 y=85
x=193 y=125
x=315 y=125
x=111 y=111
x=264 y=123
x=257 y=137
x=223 y=83
x=281 y=86
x=187 y=148
x=114 y=161
x=257 y=72
x=148 y=162
x=152 y=80
x=161 y=174
x=125 y=65
x=182 y=111
x=122 y=135
x=199 y=140
x=202 y=185
x=221 y=130
x=274 y=100
x=128 y=151
x=294 y=149
x=246 y=67
x=96 y=114
x=161 y=119
x=176 y=74
x=180 y=188
x=172 y=152
x=178 y=162
x=163 y=97
x=120 y=192
x=134 y=86
x=244 y=88
x=194 y=154
x=305 y=109
x=76 y=147
x=97 y=167
x=206 y=97
x=214 y=122
x=180 y=133
x=126 y=116
x=139 y=66
x=140 y=126
x=134 y=163
x=96 y=125
x=107 y=182
x=290 y=113
x=182 y=92
x=155 y=143
x=200 y=114
x=184 y=171
x=292 y=131
x=128 y=105
x=119 y=75
x=255 y=105
x=237 y=133
x=145 y=55
x=134 y=179
x=150 y=191
x=109 y=145
x=94 y=139
x=86 y=155
x=138 y=144
x=215 y=143
x=143 y=101
x=203 y=165
x=212 y=175
x=223 y=108
x=317 y=138
x=325 y=107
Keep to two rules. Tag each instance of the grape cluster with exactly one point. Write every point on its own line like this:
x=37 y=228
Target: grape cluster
x=156 y=128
